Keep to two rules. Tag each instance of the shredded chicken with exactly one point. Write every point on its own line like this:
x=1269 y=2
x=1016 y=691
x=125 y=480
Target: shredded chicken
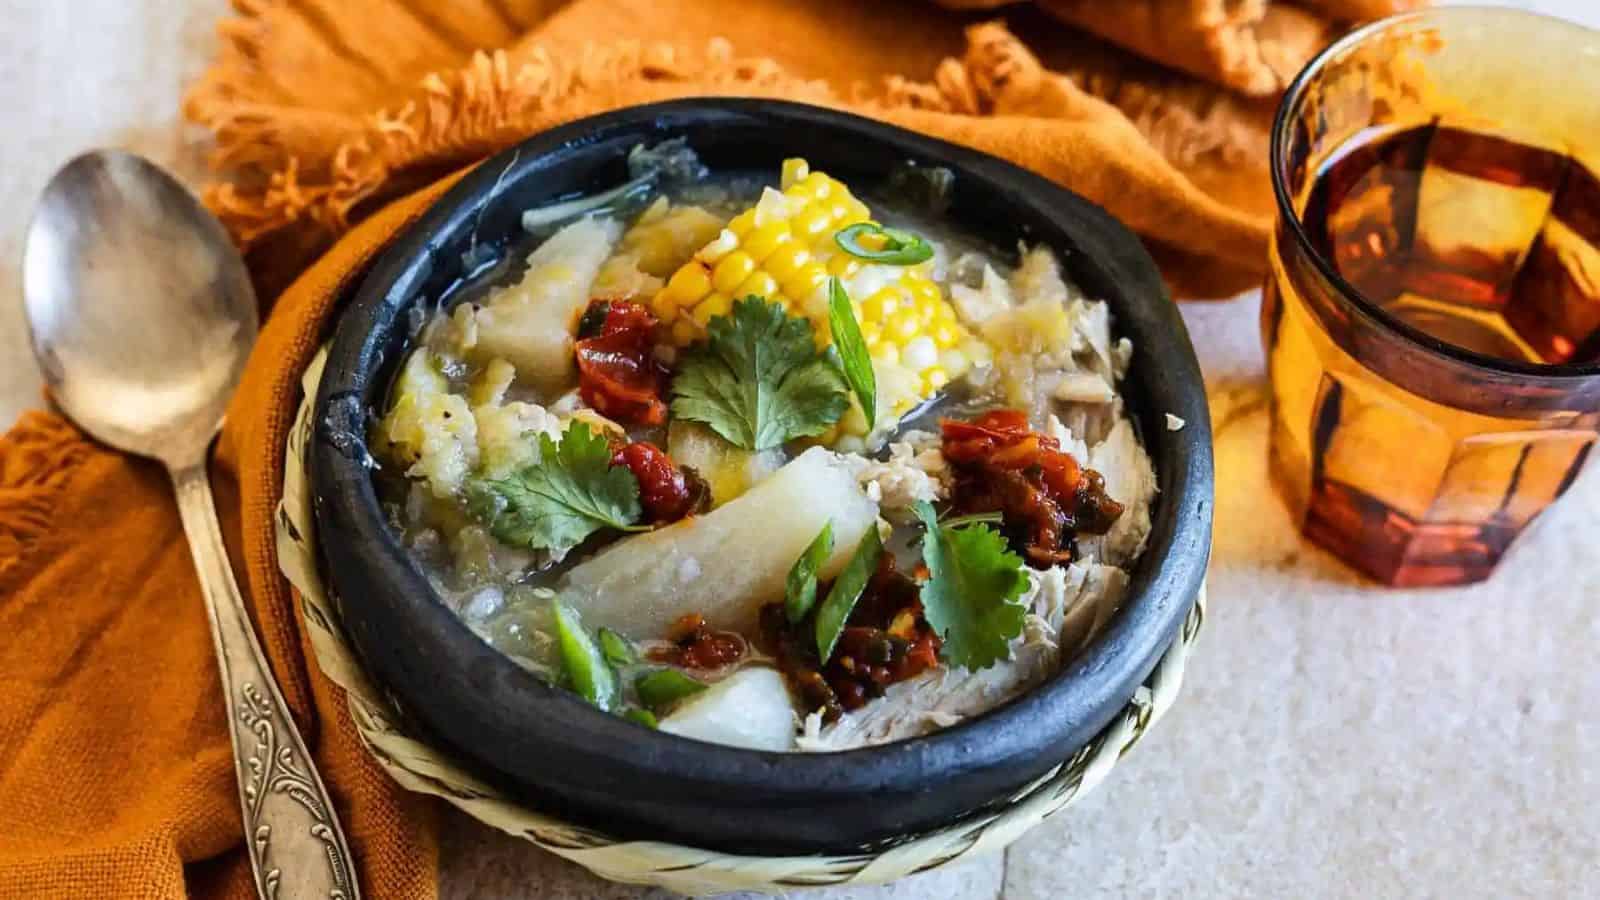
x=1131 y=480
x=913 y=472
x=1066 y=605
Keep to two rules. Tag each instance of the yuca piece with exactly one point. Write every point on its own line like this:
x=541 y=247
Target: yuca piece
x=531 y=323
x=725 y=564
x=749 y=709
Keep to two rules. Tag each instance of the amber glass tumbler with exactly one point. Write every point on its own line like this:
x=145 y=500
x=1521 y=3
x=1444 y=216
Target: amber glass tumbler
x=1432 y=314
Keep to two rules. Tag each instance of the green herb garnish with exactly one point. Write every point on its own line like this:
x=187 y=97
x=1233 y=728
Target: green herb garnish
x=582 y=662
x=971 y=594
x=570 y=493
x=661 y=689
x=900 y=248
x=983 y=518
x=846 y=591
x=642 y=716
x=759 y=380
x=852 y=349
x=800 y=592
x=618 y=650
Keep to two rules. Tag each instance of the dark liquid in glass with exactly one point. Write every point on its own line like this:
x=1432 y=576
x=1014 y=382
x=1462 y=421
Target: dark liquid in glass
x=1476 y=239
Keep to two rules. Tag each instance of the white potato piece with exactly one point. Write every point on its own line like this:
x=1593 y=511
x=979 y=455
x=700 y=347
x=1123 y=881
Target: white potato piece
x=727 y=563
x=749 y=709
x=531 y=323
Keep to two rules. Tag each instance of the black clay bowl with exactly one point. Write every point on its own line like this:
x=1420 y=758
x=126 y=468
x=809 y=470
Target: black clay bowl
x=576 y=762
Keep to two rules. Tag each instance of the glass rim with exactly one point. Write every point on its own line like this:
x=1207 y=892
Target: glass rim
x=1278 y=167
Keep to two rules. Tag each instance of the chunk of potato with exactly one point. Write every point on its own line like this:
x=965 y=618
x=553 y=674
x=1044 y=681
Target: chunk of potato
x=531 y=324
x=729 y=470
x=750 y=708
x=428 y=430
x=727 y=563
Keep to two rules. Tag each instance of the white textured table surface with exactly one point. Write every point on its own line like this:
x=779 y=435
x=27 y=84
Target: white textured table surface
x=1333 y=740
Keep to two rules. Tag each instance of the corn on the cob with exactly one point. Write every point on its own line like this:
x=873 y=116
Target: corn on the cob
x=783 y=249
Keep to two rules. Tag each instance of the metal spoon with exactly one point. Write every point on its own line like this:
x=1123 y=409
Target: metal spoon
x=142 y=316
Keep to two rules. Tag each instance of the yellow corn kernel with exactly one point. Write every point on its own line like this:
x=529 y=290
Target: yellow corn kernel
x=684 y=331
x=803 y=282
x=687 y=285
x=759 y=283
x=663 y=308
x=843 y=265
x=946 y=336
x=934 y=379
x=786 y=260
x=872 y=333
x=724 y=243
x=741 y=224
x=732 y=271
x=886 y=353
x=902 y=326
x=817 y=185
x=881 y=307
x=761 y=242
x=811 y=223
x=794 y=172
x=714 y=305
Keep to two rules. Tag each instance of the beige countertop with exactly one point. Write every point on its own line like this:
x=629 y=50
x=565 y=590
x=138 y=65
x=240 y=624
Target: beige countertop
x=1333 y=739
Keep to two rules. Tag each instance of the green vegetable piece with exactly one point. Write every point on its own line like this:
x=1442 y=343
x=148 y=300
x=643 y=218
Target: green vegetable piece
x=662 y=689
x=759 y=380
x=852 y=349
x=570 y=493
x=983 y=518
x=581 y=660
x=800 y=593
x=971 y=594
x=642 y=716
x=618 y=650
x=846 y=591
x=900 y=248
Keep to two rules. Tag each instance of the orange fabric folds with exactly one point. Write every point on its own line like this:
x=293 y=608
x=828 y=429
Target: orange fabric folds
x=115 y=770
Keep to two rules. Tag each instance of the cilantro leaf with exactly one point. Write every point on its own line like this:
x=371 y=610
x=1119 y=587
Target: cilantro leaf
x=759 y=381
x=852 y=349
x=553 y=504
x=971 y=594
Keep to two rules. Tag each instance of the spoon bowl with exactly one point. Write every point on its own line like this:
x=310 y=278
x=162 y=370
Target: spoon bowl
x=140 y=309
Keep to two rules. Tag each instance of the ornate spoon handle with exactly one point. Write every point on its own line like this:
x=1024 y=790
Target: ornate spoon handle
x=297 y=849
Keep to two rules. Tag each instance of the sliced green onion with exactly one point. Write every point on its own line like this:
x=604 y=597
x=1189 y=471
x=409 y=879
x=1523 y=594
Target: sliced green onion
x=852 y=349
x=845 y=592
x=663 y=688
x=587 y=672
x=800 y=592
x=642 y=716
x=617 y=649
x=900 y=248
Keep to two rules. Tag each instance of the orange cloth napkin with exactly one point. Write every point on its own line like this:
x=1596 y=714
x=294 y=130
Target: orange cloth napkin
x=115 y=775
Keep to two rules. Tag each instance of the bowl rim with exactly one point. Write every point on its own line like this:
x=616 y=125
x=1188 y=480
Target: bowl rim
x=1063 y=711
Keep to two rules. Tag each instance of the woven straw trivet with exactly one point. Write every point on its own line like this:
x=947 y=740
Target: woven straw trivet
x=420 y=767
